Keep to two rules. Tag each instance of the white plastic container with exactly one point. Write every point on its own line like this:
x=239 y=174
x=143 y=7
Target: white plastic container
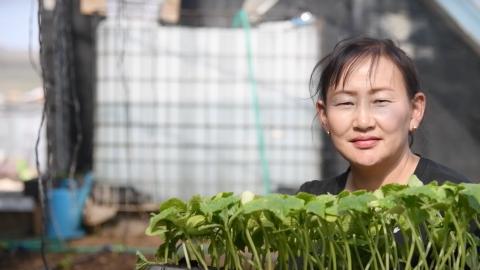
x=174 y=114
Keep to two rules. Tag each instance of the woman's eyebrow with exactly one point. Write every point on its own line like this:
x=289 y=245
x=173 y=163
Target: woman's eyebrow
x=379 y=89
x=352 y=92
x=345 y=91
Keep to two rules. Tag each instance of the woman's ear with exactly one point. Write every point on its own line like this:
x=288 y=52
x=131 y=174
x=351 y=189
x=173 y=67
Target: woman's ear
x=322 y=115
x=418 y=102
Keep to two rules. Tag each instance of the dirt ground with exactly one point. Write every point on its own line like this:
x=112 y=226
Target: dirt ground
x=31 y=261
x=106 y=240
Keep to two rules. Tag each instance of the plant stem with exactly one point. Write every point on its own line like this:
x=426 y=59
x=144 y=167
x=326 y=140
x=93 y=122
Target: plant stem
x=166 y=253
x=197 y=255
x=253 y=249
x=410 y=252
x=187 y=258
x=442 y=250
x=324 y=247
x=460 y=261
x=231 y=248
x=416 y=240
x=269 y=254
x=357 y=254
x=374 y=251
x=286 y=253
x=215 y=255
x=346 y=246
x=333 y=257
x=292 y=255
x=306 y=252
x=387 y=245
x=447 y=256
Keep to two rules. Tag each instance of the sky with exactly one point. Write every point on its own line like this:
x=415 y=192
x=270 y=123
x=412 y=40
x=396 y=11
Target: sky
x=15 y=24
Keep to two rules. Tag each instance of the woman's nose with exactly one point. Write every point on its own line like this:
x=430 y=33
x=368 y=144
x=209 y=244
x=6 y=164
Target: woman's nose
x=364 y=119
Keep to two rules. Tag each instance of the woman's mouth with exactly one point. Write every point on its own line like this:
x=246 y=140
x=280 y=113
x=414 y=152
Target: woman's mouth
x=365 y=142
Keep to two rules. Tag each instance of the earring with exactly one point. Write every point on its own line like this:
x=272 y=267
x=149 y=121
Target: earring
x=328 y=132
x=413 y=129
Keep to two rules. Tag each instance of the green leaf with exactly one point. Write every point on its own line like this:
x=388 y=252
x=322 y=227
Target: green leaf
x=222 y=195
x=157 y=222
x=269 y=219
x=319 y=205
x=331 y=213
x=305 y=196
x=452 y=188
x=417 y=215
x=472 y=195
x=179 y=221
x=173 y=202
x=218 y=203
x=386 y=203
x=396 y=208
x=378 y=193
x=413 y=181
x=278 y=204
x=156 y=231
x=207 y=227
x=195 y=221
x=356 y=202
x=392 y=189
x=415 y=194
x=292 y=203
x=194 y=204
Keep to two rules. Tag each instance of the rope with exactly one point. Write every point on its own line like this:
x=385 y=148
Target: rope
x=241 y=19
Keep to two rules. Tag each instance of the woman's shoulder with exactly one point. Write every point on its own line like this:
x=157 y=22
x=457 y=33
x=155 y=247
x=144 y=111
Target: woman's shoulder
x=333 y=185
x=428 y=170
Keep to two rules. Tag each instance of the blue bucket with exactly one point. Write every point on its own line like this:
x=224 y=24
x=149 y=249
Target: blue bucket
x=65 y=209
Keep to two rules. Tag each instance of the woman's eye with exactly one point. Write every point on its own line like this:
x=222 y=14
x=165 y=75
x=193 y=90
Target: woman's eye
x=347 y=103
x=382 y=101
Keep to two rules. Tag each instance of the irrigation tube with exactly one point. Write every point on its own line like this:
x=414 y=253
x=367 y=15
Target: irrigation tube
x=241 y=19
x=57 y=246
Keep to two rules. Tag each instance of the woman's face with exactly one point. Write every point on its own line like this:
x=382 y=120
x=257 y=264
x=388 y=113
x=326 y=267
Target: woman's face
x=370 y=115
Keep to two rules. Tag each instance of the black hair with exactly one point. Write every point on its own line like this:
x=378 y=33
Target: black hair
x=348 y=53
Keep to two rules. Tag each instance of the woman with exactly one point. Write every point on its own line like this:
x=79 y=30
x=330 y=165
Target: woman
x=369 y=103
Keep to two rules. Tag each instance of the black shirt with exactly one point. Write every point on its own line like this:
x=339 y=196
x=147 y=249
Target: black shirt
x=426 y=170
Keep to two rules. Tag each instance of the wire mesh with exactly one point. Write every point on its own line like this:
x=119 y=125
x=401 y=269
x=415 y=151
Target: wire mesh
x=173 y=110
x=21 y=121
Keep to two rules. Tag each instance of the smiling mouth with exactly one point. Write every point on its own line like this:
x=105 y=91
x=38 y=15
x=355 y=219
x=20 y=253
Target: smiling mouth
x=365 y=143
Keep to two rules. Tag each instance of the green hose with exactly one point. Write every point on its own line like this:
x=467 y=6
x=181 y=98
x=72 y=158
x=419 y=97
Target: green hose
x=241 y=19
x=58 y=246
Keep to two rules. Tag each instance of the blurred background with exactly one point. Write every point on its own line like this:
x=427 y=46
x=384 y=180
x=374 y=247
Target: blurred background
x=143 y=100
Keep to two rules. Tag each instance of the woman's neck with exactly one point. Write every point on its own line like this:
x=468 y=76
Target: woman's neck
x=397 y=170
